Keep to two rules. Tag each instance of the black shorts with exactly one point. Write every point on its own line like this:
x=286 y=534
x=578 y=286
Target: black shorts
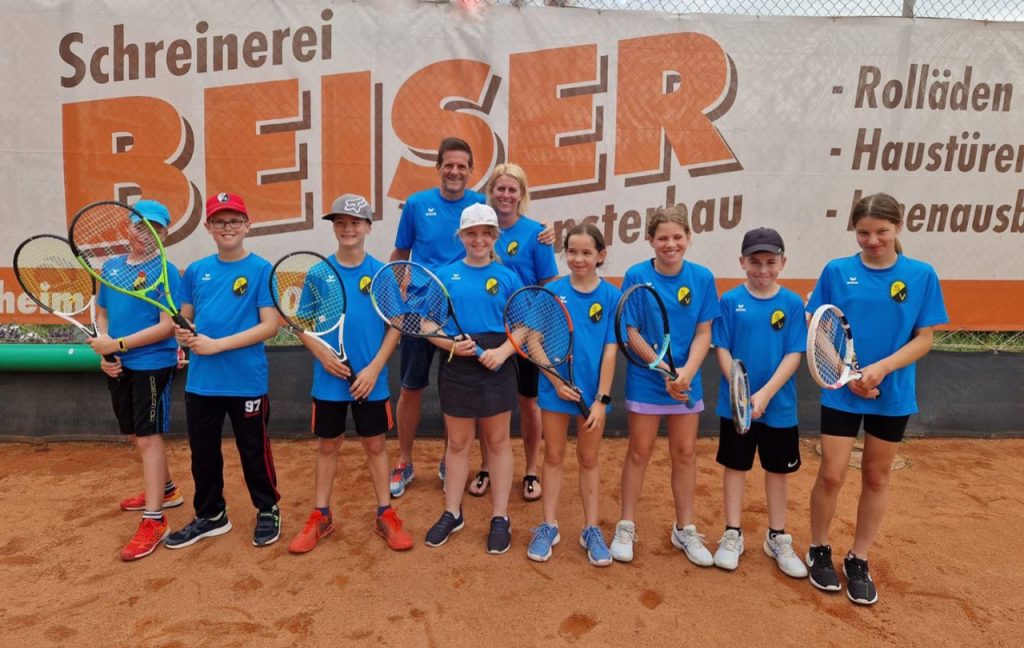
x=847 y=424
x=468 y=389
x=527 y=377
x=372 y=418
x=778 y=448
x=142 y=400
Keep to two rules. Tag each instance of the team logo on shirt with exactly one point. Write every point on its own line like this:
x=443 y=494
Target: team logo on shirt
x=491 y=286
x=898 y=291
x=140 y=281
x=364 y=284
x=512 y=249
x=683 y=295
x=778 y=320
x=240 y=286
x=595 y=313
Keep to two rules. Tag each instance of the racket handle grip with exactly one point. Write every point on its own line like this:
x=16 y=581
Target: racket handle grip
x=351 y=372
x=584 y=410
x=480 y=351
x=109 y=357
x=182 y=322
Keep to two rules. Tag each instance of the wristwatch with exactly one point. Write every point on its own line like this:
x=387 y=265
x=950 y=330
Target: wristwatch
x=604 y=399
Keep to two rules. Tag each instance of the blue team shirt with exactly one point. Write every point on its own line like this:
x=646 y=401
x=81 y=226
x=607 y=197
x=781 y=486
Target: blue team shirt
x=364 y=334
x=127 y=315
x=761 y=332
x=479 y=295
x=227 y=297
x=428 y=225
x=690 y=298
x=884 y=307
x=593 y=326
x=520 y=250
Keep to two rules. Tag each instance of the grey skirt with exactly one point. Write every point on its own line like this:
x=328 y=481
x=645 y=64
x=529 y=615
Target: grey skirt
x=468 y=389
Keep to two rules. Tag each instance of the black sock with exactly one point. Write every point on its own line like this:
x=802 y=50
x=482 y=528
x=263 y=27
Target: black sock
x=774 y=532
x=736 y=529
x=169 y=486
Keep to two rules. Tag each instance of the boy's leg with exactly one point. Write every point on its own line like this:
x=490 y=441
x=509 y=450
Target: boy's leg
x=372 y=420
x=150 y=402
x=779 y=449
x=205 y=419
x=249 y=417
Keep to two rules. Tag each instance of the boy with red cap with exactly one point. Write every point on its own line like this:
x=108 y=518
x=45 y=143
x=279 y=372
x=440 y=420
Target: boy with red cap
x=227 y=297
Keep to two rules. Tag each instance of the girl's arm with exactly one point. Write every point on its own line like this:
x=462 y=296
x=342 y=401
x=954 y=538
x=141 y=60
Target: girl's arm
x=494 y=358
x=598 y=409
x=698 y=351
x=911 y=352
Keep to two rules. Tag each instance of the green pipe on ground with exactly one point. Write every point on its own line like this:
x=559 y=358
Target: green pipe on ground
x=48 y=357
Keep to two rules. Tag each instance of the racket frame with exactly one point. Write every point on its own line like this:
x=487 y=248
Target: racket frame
x=850 y=370
x=566 y=360
x=297 y=330
x=170 y=308
x=739 y=396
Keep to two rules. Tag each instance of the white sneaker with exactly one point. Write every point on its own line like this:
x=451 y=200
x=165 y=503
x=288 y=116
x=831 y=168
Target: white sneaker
x=692 y=543
x=781 y=549
x=730 y=548
x=622 y=541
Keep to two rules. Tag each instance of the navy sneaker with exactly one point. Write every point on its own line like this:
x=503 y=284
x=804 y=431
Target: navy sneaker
x=822 y=572
x=268 y=527
x=859 y=587
x=444 y=527
x=500 y=537
x=198 y=529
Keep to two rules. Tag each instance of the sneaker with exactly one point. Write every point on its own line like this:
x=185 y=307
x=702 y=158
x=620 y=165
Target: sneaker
x=545 y=537
x=622 y=541
x=317 y=526
x=592 y=540
x=138 y=503
x=149 y=534
x=268 y=527
x=401 y=476
x=443 y=528
x=781 y=549
x=500 y=537
x=198 y=529
x=859 y=587
x=692 y=543
x=389 y=527
x=730 y=548
x=822 y=572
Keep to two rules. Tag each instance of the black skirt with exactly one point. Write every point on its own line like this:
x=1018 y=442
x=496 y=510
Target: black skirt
x=468 y=389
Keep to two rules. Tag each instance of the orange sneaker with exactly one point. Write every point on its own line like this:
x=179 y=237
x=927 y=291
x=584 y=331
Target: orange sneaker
x=149 y=534
x=389 y=527
x=138 y=503
x=317 y=526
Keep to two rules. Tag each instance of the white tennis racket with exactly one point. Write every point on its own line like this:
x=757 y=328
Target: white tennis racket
x=739 y=396
x=830 y=354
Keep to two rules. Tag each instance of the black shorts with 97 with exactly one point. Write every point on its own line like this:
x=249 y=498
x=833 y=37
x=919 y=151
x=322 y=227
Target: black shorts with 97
x=847 y=424
x=372 y=418
x=142 y=400
x=778 y=448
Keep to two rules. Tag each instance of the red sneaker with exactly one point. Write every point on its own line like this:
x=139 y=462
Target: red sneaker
x=149 y=534
x=138 y=503
x=389 y=527
x=317 y=526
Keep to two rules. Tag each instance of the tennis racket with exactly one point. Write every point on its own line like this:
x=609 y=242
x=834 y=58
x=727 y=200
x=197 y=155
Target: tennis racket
x=51 y=276
x=641 y=330
x=310 y=296
x=540 y=329
x=413 y=300
x=108 y=230
x=830 y=354
x=739 y=396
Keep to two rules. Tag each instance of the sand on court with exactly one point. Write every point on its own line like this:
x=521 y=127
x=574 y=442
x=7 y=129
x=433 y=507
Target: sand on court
x=946 y=562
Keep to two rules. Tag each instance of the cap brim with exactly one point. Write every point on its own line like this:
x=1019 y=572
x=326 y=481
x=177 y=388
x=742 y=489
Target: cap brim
x=222 y=207
x=763 y=247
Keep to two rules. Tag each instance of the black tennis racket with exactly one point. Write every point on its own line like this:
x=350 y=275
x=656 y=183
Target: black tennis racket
x=309 y=294
x=51 y=276
x=413 y=300
x=739 y=396
x=642 y=332
x=108 y=230
x=540 y=329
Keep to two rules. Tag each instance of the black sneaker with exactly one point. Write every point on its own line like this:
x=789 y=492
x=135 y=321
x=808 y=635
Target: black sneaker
x=198 y=529
x=500 y=537
x=268 y=527
x=444 y=527
x=822 y=571
x=859 y=587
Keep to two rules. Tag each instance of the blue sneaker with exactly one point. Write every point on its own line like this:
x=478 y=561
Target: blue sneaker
x=443 y=528
x=597 y=551
x=198 y=529
x=401 y=476
x=545 y=536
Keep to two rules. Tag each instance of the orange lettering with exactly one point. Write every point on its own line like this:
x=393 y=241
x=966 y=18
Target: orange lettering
x=346 y=136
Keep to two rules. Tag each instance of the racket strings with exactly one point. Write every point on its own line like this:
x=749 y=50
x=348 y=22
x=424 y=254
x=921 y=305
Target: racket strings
x=740 y=395
x=829 y=348
x=49 y=271
x=539 y=327
x=308 y=292
x=643 y=328
x=105 y=231
x=410 y=299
